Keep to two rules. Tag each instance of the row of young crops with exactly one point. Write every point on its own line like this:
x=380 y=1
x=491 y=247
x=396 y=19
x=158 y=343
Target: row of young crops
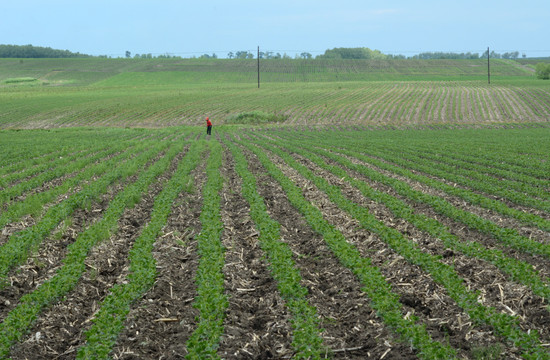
x=87 y=71
x=395 y=103
x=288 y=243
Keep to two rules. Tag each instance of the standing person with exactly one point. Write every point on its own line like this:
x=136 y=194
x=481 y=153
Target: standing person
x=208 y=126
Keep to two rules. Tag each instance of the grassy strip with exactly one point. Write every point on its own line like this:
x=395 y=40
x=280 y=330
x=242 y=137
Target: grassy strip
x=505 y=325
x=108 y=322
x=211 y=300
x=20 y=319
x=383 y=300
x=518 y=270
x=307 y=342
x=16 y=249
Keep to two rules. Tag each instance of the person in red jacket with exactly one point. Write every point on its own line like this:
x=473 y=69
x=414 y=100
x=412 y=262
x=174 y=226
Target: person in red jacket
x=208 y=126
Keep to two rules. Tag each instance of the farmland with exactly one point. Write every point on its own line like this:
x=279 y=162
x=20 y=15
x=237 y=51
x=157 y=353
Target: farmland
x=171 y=92
x=275 y=242
x=396 y=210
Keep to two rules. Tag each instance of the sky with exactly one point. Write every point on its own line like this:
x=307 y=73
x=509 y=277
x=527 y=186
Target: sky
x=192 y=28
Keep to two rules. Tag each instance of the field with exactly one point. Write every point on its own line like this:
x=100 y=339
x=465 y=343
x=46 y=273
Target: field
x=275 y=243
x=401 y=210
x=45 y=93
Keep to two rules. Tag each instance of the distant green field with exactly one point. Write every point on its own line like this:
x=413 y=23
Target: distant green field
x=161 y=92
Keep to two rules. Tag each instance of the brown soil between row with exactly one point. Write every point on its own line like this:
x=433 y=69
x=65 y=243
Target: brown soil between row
x=59 y=331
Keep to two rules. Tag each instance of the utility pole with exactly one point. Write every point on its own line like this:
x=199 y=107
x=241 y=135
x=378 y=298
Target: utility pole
x=488 y=67
x=258 y=67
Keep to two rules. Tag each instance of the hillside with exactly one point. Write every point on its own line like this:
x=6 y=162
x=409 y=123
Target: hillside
x=90 y=70
x=161 y=92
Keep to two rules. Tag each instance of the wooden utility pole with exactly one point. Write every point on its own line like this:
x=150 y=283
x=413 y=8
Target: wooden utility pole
x=488 y=67
x=258 y=67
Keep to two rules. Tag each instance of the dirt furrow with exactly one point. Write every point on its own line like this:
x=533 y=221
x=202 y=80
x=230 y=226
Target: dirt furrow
x=346 y=316
x=257 y=322
x=499 y=219
x=28 y=220
x=419 y=294
x=457 y=227
x=497 y=290
x=159 y=324
x=62 y=327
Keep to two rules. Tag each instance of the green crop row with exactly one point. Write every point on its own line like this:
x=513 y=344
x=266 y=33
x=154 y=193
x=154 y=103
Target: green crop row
x=18 y=321
x=508 y=236
x=49 y=172
x=494 y=168
x=343 y=145
x=15 y=165
x=518 y=270
x=57 y=152
x=383 y=299
x=40 y=145
x=468 y=178
x=505 y=325
x=211 y=300
x=109 y=320
x=34 y=203
x=155 y=98
x=46 y=163
x=307 y=342
x=16 y=249
x=452 y=164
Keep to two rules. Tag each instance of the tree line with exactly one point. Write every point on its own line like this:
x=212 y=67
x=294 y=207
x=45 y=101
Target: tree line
x=451 y=55
x=30 y=51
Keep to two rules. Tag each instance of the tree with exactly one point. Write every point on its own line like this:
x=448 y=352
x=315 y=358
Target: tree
x=352 y=53
x=511 y=55
x=230 y=55
x=206 y=56
x=543 y=71
x=128 y=54
x=305 y=55
x=244 y=55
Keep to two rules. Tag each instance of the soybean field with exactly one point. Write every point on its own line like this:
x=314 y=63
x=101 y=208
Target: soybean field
x=51 y=93
x=343 y=241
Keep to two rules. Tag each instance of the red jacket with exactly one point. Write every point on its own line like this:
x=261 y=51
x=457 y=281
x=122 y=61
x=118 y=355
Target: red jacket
x=208 y=122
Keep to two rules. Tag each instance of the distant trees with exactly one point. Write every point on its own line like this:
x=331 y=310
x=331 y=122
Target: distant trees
x=30 y=51
x=143 y=56
x=206 y=56
x=445 y=55
x=352 y=53
x=451 y=55
x=511 y=55
x=244 y=55
x=507 y=55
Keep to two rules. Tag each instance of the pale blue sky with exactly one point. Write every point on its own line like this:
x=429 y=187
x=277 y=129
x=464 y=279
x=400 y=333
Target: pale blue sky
x=189 y=28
